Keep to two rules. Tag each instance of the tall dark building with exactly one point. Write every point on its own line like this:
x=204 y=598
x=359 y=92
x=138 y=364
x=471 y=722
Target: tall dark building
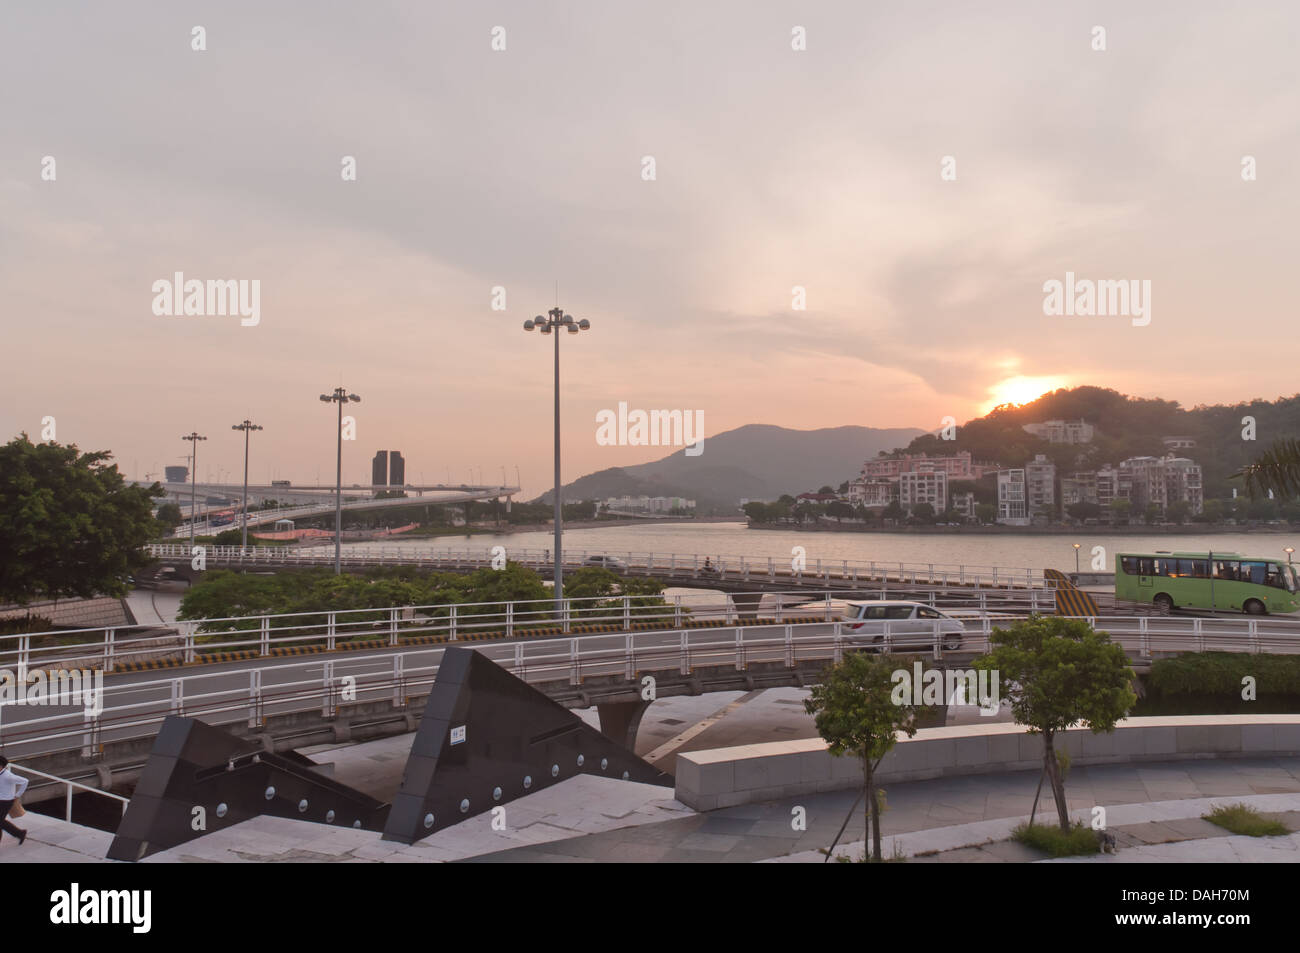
x=396 y=468
x=177 y=474
x=379 y=469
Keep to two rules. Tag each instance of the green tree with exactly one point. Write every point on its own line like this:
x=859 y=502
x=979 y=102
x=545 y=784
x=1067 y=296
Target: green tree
x=894 y=511
x=1057 y=673
x=839 y=510
x=1277 y=469
x=1120 y=510
x=1178 y=511
x=757 y=512
x=856 y=713
x=924 y=512
x=69 y=523
x=1151 y=514
x=1084 y=511
x=169 y=516
x=986 y=512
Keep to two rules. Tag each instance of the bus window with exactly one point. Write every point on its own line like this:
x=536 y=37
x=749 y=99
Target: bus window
x=1166 y=567
x=1194 y=568
x=1275 y=577
x=1129 y=564
x=1146 y=566
x=1226 y=569
x=1252 y=572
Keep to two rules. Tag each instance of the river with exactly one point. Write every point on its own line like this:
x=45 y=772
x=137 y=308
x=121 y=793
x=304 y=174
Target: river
x=1054 y=551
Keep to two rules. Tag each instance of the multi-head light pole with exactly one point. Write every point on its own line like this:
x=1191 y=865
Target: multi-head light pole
x=341 y=397
x=556 y=321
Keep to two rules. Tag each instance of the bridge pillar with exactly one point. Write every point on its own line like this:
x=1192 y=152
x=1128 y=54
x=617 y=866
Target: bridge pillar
x=747 y=605
x=619 y=721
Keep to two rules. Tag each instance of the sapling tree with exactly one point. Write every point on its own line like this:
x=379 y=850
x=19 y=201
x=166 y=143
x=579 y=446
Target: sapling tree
x=857 y=715
x=1057 y=673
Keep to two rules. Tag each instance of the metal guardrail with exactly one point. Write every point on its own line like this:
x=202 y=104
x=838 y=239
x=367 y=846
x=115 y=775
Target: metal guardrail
x=135 y=709
x=115 y=647
x=722 y=566
x=69 y=786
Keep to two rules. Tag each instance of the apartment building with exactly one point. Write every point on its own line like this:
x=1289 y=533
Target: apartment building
x=926 y=484
x=1012 y=508
x=1062 y=431
x=873 y=492
x=1040 y=487
x=958 y=466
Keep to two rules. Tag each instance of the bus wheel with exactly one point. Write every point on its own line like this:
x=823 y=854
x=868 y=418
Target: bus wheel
x=1164 y=603
x=1254 y=607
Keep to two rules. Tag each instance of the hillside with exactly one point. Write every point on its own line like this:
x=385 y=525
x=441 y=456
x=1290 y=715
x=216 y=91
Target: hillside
x=758 y=461
x=1126 y=426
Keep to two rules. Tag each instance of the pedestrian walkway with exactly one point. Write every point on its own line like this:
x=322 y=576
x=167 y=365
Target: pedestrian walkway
x=940 y=815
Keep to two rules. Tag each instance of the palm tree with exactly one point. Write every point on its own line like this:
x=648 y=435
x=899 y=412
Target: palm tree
x=1277 y=469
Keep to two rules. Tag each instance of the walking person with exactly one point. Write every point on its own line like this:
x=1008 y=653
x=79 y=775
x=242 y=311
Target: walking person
x=11 y=789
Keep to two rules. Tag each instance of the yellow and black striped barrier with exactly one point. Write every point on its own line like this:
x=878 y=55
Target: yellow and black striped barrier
x=1070 y=599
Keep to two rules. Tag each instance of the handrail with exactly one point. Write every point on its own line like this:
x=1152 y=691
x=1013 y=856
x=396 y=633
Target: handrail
x=68 y=786
x=134 y=710
x=123 y=644
x=674 y=563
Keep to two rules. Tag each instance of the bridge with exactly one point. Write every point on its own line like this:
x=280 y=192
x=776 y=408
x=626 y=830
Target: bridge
x=311 y=678
x=311 y=500
x=719 y=571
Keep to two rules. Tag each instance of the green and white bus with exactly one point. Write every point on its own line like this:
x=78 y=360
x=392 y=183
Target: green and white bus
x=1252 y=584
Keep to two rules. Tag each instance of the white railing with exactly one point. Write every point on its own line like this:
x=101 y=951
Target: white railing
x=693 y=565
x=133 y=710
x=114 y=647
x=69 y=786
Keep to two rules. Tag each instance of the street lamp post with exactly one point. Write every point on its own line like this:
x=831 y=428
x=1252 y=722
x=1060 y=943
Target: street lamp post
x=247 y=426
x=1289 y=550
x=552 y=324
x=1076 y=558
x=194 y=438
x=340 y=397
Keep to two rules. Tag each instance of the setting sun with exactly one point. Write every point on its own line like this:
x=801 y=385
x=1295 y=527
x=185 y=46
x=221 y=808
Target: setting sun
x=1021 y=390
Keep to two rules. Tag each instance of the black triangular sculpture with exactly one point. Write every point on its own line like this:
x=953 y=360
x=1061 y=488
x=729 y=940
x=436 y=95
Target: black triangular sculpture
x=195 y=765
x=488 y=738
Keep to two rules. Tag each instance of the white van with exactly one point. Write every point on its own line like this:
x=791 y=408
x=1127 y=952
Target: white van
x=909 y=624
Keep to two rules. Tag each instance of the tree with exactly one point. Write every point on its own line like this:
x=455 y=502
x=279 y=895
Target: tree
x=1059 y=672
x=169 y=516
x=986 y=512
x=1084 y=511
x=857 y=715
x=1178 y=511
x=894 y=511
x=1277 y=469
x=839 y=510
x=1120 y=509
x=69 y=523
x=757 y=512
x=826 y=490
x=1151 y=514
x=924 y=512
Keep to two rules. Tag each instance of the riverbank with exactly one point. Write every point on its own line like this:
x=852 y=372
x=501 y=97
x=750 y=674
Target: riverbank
x=998 y=530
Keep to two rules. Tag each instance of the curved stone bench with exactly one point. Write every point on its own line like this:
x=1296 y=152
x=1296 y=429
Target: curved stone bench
x=725 y=777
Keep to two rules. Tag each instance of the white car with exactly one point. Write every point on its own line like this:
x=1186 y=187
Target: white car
x=612 y=563
x=909 y=624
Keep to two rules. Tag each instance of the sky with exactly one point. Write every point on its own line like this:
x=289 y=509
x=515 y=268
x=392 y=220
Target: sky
x=524 y=169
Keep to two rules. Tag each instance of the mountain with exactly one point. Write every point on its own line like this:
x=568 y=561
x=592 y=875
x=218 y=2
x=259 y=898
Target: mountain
x=758 y=461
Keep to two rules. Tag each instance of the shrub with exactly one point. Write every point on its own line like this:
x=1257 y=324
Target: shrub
x=1055 y=842
x=1244 y=819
